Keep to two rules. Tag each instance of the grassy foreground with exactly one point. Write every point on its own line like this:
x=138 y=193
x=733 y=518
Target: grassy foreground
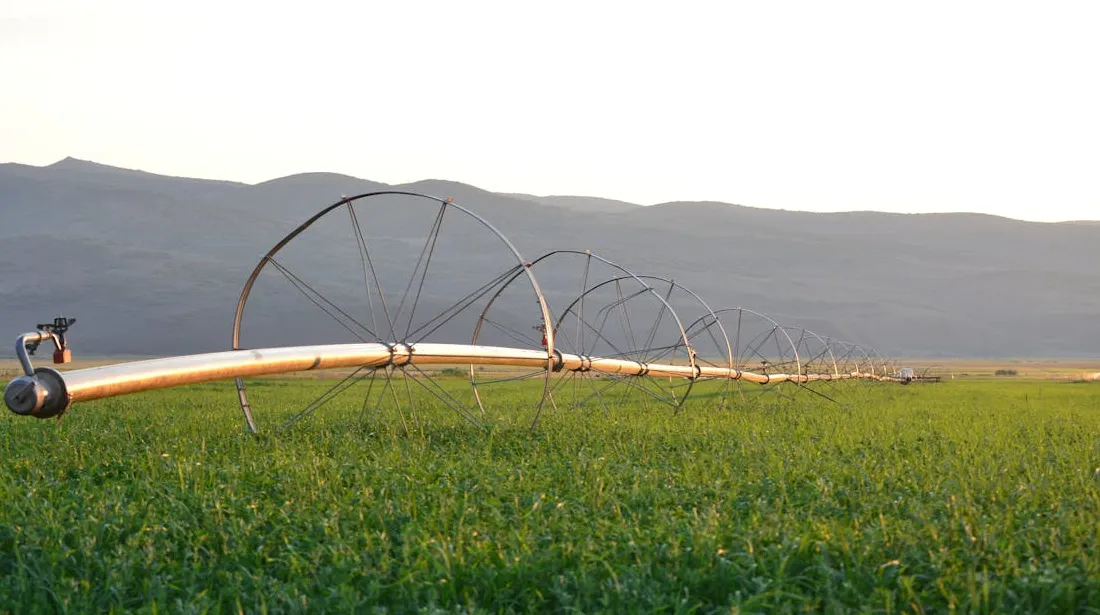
x=970 y=497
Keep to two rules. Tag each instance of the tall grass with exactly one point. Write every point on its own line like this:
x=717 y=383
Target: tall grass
x=969 y=497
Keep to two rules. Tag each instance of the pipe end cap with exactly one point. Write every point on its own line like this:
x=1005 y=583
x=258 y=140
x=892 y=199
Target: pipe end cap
x=25 y=395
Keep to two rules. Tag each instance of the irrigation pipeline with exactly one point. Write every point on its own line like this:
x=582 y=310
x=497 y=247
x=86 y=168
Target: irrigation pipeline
x=45 y=392
x=645 y=333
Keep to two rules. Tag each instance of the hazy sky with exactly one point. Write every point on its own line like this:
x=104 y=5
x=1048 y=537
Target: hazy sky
x=909 y=107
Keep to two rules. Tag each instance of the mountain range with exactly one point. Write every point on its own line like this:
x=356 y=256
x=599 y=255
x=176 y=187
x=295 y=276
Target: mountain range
x=153 y=265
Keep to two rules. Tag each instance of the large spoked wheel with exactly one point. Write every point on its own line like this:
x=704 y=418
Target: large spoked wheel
x=759 y=345
x=710 y=345
x=880 y=364
x=599 y=310
x=397 y=269
x=819 y=369
x=852 y=359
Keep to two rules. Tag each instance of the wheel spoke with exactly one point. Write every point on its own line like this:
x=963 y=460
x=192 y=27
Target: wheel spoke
x=330 y=394
x=600 y=336
x=366 y=397
x=443 y=395
x=515 y=335
x=624 y=314
x=512 y=378
x=361 y=246
x=630 y=381
x=425 y=258
x=583 y=296
x=374 y=274
x=459 y=306
x=320 y=301
x=657 y=321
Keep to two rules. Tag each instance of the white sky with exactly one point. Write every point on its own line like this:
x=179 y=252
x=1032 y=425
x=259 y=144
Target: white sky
x=909 y=107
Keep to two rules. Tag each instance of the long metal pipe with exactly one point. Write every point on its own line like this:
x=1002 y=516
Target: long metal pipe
x=48 y=393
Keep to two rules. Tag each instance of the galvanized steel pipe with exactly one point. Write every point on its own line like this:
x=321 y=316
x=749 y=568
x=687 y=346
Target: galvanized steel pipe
x=46 y=392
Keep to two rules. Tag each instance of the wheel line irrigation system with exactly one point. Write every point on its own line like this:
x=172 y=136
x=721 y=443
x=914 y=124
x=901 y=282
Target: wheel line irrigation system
x=417 y=304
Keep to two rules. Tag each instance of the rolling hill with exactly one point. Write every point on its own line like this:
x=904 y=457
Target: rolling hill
x=153 y=265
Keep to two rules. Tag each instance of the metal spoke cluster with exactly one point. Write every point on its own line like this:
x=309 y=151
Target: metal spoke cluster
x=609 y=338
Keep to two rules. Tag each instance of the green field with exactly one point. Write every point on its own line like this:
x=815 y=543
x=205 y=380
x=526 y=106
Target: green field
x=962 y=496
